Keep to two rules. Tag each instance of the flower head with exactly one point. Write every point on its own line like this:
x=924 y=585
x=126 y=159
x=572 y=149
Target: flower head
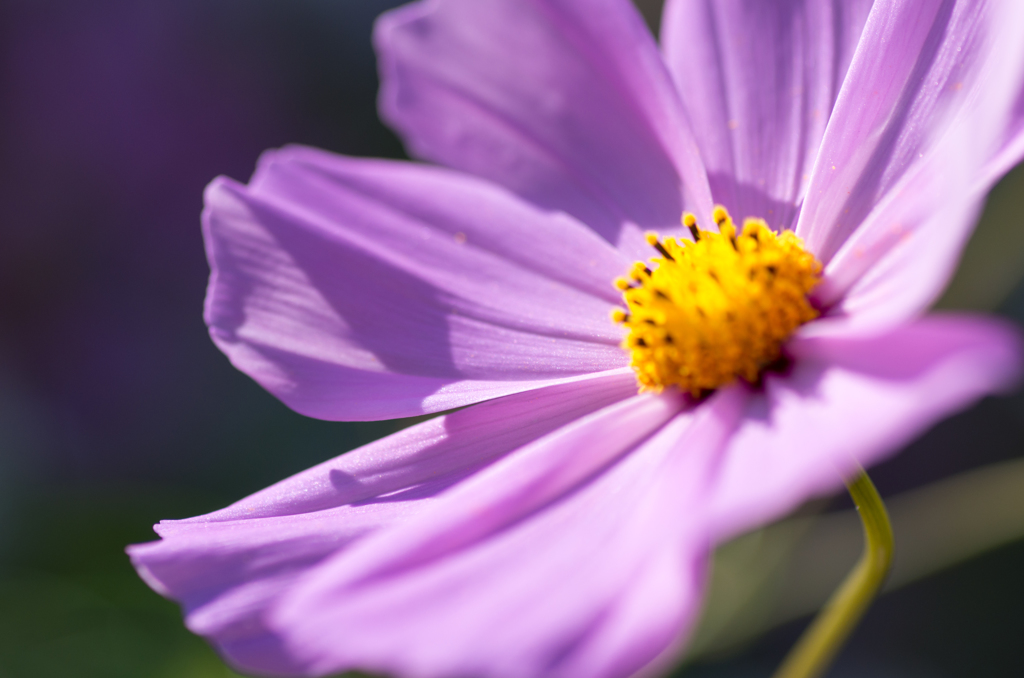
x=561 y=525
x=717 y=307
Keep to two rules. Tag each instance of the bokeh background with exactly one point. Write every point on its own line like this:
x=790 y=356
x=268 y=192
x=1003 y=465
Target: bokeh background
x=116 y=410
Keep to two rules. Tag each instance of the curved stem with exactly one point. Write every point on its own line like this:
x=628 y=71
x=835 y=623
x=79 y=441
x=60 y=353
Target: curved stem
x=818 y=646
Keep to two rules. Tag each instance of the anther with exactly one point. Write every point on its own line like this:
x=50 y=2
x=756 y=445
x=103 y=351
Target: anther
x=640 y=270
x=720 y=215
x=690 y=222
x=725 y=225
x=652 y=240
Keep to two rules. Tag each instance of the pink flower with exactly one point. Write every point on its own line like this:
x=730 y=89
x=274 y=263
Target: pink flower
x=561 y=525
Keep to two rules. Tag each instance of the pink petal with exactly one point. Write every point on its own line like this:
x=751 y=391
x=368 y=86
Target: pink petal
x=758 y=81
x=565 y=102
x=362 y=289
x=854 y=401
x=1011 y=145
x=226 y=568
x=900 y=258
x=430 y=453
x=548 y=563
x=919 y=68
x=897 y=263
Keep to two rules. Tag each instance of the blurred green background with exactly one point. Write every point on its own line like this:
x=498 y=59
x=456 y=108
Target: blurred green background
x=117 y=411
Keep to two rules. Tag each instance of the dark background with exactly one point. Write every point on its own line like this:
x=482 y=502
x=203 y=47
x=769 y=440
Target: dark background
x=115 y=408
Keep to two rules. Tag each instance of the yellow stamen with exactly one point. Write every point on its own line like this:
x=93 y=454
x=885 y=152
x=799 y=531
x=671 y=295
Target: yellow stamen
x=720 y=307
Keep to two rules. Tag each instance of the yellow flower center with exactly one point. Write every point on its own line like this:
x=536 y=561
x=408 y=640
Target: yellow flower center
x=718 y=307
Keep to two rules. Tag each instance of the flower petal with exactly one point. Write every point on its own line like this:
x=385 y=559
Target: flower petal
x=897 y=263
x=1011 y=145
x=360 y=289
x=566 y=102
x=554 y=574
x=227 y=567
x=919 y=68
x=758 y=81
x=900 y=258
x=852 y=401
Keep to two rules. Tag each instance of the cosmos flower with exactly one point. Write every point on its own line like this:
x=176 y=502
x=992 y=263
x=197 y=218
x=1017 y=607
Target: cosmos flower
x=561 y=524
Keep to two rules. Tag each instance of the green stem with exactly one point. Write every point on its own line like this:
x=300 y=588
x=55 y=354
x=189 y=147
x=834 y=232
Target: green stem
x=818 y=646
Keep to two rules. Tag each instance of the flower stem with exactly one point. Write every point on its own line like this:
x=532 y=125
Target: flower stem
x=818 y=646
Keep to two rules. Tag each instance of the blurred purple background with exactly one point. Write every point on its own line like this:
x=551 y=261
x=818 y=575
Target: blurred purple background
x=115 y=408
x=115 y=114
